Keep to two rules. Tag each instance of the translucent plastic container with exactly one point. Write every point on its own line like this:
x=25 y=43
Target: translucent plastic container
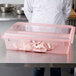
x=39 y=37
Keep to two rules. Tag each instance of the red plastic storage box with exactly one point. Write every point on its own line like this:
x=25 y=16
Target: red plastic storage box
x=34 y=37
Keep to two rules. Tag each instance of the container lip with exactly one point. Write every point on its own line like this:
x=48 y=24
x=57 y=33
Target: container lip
x=45 y=35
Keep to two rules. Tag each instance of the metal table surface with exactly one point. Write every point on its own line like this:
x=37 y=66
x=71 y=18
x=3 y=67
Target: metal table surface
x=33 y=58
x=11 y=17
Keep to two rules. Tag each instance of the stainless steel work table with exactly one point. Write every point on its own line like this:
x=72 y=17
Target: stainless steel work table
x=23 y=57
x=11 y=17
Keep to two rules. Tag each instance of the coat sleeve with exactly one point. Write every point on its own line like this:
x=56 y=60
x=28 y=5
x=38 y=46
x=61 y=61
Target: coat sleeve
x=67 y=8
x=28 y=9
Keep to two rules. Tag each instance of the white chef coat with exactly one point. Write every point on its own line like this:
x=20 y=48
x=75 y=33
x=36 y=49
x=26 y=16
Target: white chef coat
x=47 y=11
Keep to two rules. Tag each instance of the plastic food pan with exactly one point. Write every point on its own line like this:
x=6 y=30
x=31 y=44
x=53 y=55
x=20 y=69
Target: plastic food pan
x=34 y=37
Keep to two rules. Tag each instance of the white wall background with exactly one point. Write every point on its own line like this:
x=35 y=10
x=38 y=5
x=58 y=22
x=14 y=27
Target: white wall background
x=12 y=1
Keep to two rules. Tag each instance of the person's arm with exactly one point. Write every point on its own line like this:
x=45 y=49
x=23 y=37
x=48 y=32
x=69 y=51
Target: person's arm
x=28 y=9
x=67 y=8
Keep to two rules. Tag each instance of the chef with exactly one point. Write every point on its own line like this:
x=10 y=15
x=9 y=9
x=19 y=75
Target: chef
x=47 y=12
